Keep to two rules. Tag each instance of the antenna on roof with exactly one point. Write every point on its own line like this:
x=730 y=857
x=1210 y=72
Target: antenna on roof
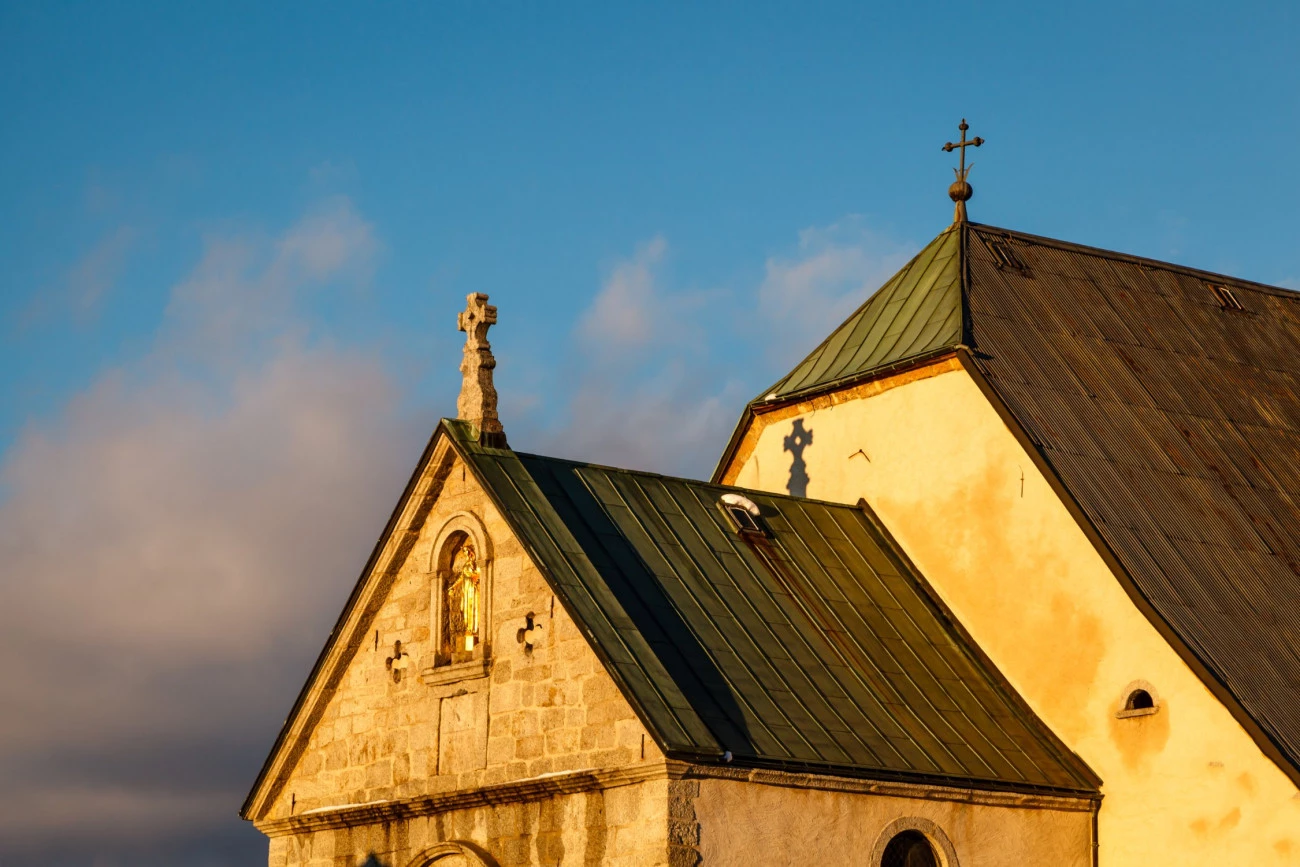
x=960 y=191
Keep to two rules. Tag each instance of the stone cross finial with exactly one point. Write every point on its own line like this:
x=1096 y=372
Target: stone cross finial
x=477 y=403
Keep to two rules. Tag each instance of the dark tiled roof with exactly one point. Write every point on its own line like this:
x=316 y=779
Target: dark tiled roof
x=1173 y=423
x=817 y=646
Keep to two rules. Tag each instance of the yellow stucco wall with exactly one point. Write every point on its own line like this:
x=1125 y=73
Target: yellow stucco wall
x=742 y=823
x=1184 y=786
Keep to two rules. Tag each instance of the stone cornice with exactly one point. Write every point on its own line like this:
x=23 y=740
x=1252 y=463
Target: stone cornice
x=577 y=782
x=535 y=789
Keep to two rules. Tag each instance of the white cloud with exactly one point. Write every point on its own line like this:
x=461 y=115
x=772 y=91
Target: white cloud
x=627 y=313
x=836 y=268
x=245 y=289
x=652 y=388
x=85 y=284
x=98 y=271
x=674 y=421
x=178 y=539
x=646 y=389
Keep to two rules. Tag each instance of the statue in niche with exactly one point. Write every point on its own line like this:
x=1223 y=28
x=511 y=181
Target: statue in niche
x=462 y=600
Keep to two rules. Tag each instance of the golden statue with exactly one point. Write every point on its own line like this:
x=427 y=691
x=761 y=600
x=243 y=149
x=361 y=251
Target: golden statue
x=463 y=600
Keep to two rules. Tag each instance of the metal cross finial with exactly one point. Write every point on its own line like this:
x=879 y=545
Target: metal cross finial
x=960 y=191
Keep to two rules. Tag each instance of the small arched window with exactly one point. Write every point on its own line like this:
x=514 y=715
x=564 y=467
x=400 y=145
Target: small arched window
x=1138 y=699
x=909 y=849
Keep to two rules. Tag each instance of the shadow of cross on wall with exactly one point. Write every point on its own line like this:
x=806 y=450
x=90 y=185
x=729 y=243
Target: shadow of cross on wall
x=798 y=440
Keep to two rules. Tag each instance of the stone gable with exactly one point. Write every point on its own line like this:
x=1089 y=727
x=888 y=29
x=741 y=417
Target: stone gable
x=534 y=710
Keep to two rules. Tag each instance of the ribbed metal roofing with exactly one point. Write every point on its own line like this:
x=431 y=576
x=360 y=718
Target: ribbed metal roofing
x=916 y=313
x=1175 y=425
x=1171 y=420
x=817 y=645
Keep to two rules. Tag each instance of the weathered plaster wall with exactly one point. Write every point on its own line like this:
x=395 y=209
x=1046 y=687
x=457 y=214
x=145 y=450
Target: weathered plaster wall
x=538 y=712
x=743 y=823
x=1185 y=786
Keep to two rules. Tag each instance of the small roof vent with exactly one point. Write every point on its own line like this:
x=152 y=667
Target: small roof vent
x=1227 y=300
x=743 y=512
x=1004 y=255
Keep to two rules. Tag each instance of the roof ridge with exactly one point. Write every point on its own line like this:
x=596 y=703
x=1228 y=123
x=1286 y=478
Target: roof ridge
x=652 y=474
x=1103 y=253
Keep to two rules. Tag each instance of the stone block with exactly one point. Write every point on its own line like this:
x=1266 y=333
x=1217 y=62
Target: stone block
x=561 y=741
x=501 y=672
x=379 y=774
x=598 y=690
x=505 y=697
x=539 y=767
x=606 y=713
x=529 y=747
x=525 y=723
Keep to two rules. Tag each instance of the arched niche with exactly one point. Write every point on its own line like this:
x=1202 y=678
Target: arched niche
x=942 y=847
x=453 y=854
x=462 y=542
x=1139 y=698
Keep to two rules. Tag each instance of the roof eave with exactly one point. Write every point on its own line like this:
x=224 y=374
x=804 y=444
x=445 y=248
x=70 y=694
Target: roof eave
x=888 y=776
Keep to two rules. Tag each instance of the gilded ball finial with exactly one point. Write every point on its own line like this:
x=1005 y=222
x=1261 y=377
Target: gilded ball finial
x=960 y=191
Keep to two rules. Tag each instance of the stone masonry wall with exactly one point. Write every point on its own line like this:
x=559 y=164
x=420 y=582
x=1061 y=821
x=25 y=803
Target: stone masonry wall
x=545 y=710
x=622 y=826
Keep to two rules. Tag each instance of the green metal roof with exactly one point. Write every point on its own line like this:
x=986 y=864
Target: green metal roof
x=917 y=313
x=1171 y=419
x=817 y=645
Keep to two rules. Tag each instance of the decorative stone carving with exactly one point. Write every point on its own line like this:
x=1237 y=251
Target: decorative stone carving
x=477 y=403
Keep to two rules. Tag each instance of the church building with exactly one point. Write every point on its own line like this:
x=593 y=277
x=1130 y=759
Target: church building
x=1005 y=572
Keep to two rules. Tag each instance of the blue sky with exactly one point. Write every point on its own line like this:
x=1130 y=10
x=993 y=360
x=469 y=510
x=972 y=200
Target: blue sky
x=236 y=237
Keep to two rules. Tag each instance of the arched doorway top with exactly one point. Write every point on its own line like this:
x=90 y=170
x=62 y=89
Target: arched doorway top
x=453 y=854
